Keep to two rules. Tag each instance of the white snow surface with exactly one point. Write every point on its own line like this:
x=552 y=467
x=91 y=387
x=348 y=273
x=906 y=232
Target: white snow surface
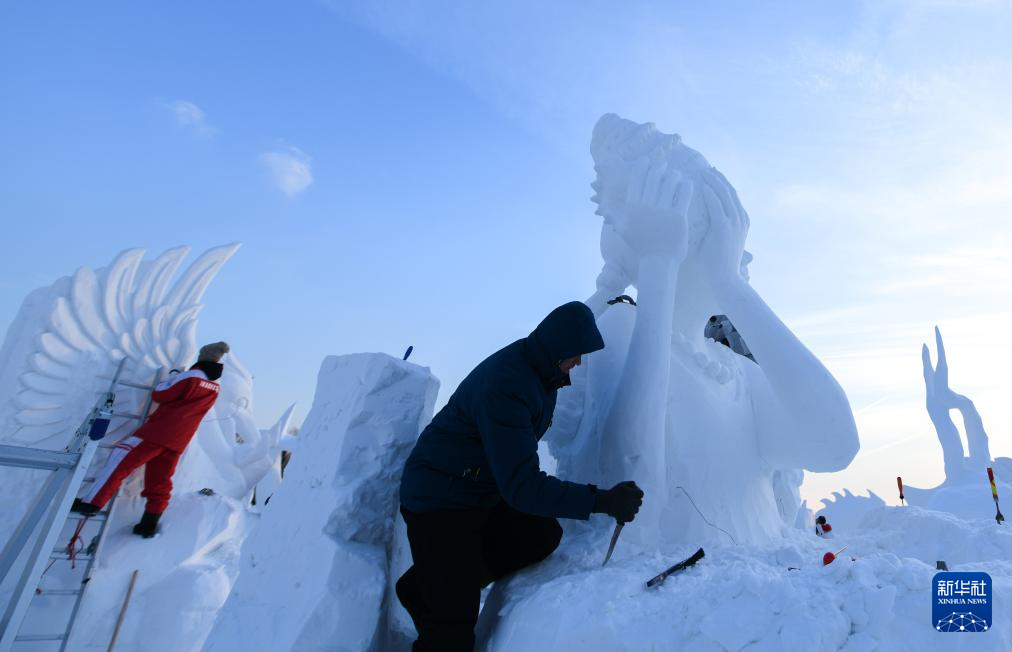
x=875 y=596
x=314 y=573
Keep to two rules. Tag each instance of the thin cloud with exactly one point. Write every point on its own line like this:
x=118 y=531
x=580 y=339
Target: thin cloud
x=191 y=117
x=289 y=168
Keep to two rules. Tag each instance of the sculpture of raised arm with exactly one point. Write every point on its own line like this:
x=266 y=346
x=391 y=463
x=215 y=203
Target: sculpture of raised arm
x=710 y=435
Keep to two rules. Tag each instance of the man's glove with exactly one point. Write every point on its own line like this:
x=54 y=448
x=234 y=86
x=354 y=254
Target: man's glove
x=620 y=502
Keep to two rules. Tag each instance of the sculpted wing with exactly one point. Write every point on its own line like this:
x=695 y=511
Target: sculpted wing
x=131 y=310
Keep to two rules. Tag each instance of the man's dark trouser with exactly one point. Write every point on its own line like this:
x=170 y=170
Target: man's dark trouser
x=455 y=553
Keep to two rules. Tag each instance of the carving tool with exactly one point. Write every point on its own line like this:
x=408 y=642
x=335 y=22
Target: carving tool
x=682 y=565
x=994 y=493
x=614 y=539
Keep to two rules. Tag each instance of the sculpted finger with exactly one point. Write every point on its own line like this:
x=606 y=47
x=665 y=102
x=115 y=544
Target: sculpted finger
x=652 y=186
x=669 y=189
x=637 y=179
x=719 y=187
x=929 y=371
x=683 y=196
x=739 y=210
x=712 y=202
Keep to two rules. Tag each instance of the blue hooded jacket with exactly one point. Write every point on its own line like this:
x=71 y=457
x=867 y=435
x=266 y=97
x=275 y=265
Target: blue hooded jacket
x=482 y=446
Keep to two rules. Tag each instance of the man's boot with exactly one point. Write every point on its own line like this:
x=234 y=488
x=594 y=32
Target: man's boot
x=148 y=526
x=410 y=596
x=82 y=507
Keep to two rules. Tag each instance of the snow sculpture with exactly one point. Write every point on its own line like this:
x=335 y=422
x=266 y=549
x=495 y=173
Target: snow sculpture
x=940 y=400
x=66 y=340
x=188 y=570
x=56 y=359
x=69 y=335
x=338 y=507
x=229 y=452
x=715 y=440
x=964 y=490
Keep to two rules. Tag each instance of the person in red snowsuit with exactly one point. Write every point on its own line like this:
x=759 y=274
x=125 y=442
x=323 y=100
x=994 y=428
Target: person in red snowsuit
x=182 y=400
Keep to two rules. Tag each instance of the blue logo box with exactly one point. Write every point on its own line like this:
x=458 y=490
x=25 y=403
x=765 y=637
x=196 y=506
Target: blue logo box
x=961 y=602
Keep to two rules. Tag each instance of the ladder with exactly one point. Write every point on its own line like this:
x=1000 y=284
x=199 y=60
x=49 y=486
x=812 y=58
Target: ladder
x=48 y=515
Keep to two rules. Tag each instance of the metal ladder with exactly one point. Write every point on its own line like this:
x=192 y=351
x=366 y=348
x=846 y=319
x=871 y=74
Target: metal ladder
x=51 y=510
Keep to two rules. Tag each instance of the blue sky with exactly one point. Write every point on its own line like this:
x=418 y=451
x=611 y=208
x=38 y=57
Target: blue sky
x=417 y=173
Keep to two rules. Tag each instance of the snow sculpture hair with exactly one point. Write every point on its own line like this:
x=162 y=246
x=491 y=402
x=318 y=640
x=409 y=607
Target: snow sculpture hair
x=716 y=441
x=616 y=146
x=67 y=336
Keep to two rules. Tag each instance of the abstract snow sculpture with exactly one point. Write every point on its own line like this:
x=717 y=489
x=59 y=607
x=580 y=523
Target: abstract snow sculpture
x=940 y=400
x=700 y=428
x=314 y=573
x=964 y=490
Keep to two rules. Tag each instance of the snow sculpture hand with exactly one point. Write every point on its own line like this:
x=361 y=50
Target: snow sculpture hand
x=657 y=200
x=723 y=245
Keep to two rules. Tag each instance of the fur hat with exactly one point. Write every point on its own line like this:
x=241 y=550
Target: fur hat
x=212 y=352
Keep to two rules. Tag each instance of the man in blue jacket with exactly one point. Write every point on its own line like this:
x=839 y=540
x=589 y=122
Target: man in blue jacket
x=477 y=505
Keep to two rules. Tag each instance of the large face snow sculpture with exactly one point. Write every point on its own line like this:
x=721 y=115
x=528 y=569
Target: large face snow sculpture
x=715 y=440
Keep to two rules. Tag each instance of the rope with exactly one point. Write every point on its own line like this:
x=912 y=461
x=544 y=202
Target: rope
x=72 y=544
x=38 y=589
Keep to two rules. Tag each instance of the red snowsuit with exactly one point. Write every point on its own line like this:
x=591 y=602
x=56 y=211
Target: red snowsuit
x=183 y=400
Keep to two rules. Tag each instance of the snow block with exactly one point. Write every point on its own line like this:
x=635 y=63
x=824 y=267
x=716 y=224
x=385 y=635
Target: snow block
x=314 y=573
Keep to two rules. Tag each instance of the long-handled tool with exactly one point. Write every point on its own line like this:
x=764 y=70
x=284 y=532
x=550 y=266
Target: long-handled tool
x=122 y=611
x=614 y=539
x=994 y=494
x=899 y=483
x=682 y=565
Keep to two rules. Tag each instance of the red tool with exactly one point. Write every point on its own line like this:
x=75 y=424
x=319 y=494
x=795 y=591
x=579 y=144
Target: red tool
x=899 y=483
x=830 y=557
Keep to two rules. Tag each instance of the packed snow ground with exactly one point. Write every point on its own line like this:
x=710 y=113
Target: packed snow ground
x=876 y=596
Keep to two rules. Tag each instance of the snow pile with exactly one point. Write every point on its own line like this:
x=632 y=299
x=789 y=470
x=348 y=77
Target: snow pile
x=877 y=595
x=314 y=573
x=186 y=572
x=184 y=575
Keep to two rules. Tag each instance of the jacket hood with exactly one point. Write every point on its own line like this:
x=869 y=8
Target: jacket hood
x=567 y=331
